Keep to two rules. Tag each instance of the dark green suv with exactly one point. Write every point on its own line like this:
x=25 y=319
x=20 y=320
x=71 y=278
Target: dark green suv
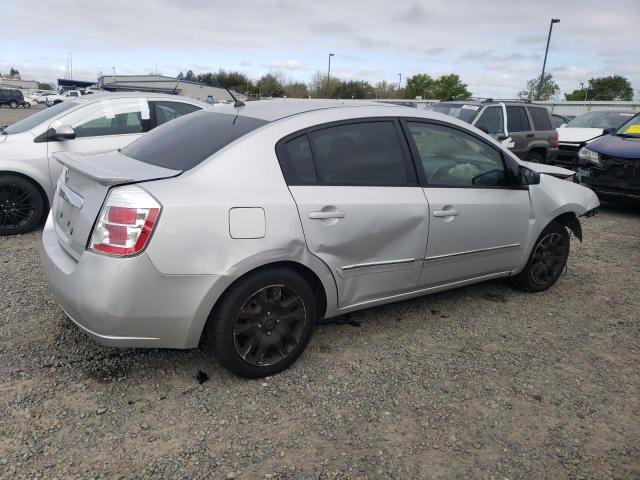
x=528 y=132
x=11 y=97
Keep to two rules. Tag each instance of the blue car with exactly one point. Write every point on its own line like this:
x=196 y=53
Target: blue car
x=610 y=165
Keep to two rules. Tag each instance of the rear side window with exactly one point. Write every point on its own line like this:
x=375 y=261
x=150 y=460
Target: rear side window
x=517 y=120
x=167 y=111
x=540 y=118
x=187 y=141
x=367 y=153
x=297 y=161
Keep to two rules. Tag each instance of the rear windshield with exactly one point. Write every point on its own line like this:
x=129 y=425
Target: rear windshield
x=600 y=120
x=183 y=143
x=466 y=112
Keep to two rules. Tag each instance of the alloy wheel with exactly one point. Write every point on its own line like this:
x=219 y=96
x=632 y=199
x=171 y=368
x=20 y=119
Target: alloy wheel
x=269 y=325
x=548 y=259
x=17 y=206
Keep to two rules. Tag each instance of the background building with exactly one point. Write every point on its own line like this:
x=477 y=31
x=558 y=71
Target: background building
x=162 y=84
x=17 y=83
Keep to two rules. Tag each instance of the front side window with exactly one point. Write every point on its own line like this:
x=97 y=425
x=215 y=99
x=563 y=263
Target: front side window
x=167 y=111
x=540 y=117
x=453 y=158
x=118 y=124
x=491 y=121
x=517 y=120
x=367 y=153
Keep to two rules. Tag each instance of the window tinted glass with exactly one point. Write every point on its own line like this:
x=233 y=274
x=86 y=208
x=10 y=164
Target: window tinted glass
x=540 y=118
x=454 y=158
x=466 y=112
x=40 y=117
x=297 y=162
x=190 y=139
x=167 y=111
x=120 y=124
x=517 y=120
x=491 y=120
x=359 y=154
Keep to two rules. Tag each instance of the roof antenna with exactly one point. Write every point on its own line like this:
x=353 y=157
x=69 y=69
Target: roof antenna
x=236 y=103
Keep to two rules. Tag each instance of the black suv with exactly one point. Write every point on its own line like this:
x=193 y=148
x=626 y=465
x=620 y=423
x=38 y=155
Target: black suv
x=11 y=97
x=529 y=131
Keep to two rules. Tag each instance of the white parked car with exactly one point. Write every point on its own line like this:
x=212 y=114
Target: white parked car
x=89 y=124
x=585 y=127
x=57 y=98
x=241 y=227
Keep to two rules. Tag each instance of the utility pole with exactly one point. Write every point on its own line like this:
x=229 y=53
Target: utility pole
x=585 y=92
x=328 y=74
x=544 y=64
x=399 y=82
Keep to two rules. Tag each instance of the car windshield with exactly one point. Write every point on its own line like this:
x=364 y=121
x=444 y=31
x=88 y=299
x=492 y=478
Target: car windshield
x=183 y=143
x=38 y=118
x=463 y=111
x=599 y=120
x=631 y=128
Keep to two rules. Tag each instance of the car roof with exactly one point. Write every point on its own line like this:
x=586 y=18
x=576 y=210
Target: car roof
x=110 y=95
x=271 y=110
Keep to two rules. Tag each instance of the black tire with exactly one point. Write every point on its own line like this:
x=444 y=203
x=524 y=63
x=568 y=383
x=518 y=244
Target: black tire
x=547 y=260
x=22 y=206
x=535 y=156
x=263 y=323
x=13 y=104
x=26 y=105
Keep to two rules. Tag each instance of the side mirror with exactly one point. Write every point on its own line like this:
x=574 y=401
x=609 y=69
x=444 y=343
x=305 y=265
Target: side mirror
x=526 y=176
x=608 y=131
x=64 y=132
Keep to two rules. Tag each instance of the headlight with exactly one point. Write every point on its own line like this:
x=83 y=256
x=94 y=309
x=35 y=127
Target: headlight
x=586 y=156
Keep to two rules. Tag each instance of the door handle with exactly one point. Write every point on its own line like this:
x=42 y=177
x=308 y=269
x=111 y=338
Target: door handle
x=325 y=215
x=446 y=213
x=529 y=135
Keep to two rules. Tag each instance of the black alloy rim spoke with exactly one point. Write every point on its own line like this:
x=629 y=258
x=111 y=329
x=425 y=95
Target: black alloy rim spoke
x=269 y=325
x=17 y=206
x=548 y=258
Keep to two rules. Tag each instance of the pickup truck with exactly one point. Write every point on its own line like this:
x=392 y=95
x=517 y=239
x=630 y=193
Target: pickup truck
x=56 y=98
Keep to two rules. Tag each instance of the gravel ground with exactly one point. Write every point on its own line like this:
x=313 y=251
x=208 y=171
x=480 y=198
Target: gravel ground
x=480 y=382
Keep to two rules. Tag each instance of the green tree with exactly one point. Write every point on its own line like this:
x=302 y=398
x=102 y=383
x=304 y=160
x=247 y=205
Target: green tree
x=14 y=73
x=355 y=89
x=614 y=87
x=450 y=87
x=44 y=86
x=190 y=76
x=580 y=94
x=296 y=90
x=384 y=89
x=420 y=85
x=270 y=85
x=548 y=91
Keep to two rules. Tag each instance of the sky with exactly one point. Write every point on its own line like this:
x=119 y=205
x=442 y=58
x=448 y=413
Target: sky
x=494 y=45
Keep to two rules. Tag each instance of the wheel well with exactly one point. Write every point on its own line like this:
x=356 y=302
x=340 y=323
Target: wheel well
x=33 y=182
x=304 y=271
x=570 y=220
x=541 y=150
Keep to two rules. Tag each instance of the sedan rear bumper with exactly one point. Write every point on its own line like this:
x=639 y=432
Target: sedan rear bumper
x=126 y=302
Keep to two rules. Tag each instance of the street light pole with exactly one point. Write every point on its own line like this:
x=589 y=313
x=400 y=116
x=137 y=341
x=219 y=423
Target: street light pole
x=328 y=74
x=544 y=64
x=399 y=82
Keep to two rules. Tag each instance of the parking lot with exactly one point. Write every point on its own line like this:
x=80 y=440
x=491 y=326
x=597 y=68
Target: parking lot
x=479 y=382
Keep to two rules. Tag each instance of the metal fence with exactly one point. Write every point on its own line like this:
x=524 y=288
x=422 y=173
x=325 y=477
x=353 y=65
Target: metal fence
x=561 y=108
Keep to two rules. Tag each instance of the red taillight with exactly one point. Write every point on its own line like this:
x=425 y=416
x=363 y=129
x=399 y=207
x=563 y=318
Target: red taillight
x=125 y=222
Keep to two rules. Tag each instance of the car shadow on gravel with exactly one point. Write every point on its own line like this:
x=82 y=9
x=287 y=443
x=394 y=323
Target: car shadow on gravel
x=90 y=360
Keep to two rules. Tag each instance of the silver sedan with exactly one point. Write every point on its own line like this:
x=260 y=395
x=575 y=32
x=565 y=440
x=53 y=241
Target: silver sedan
x=239 y=228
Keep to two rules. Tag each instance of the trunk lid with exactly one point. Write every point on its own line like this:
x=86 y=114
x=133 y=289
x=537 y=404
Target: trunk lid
x=83 y=187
